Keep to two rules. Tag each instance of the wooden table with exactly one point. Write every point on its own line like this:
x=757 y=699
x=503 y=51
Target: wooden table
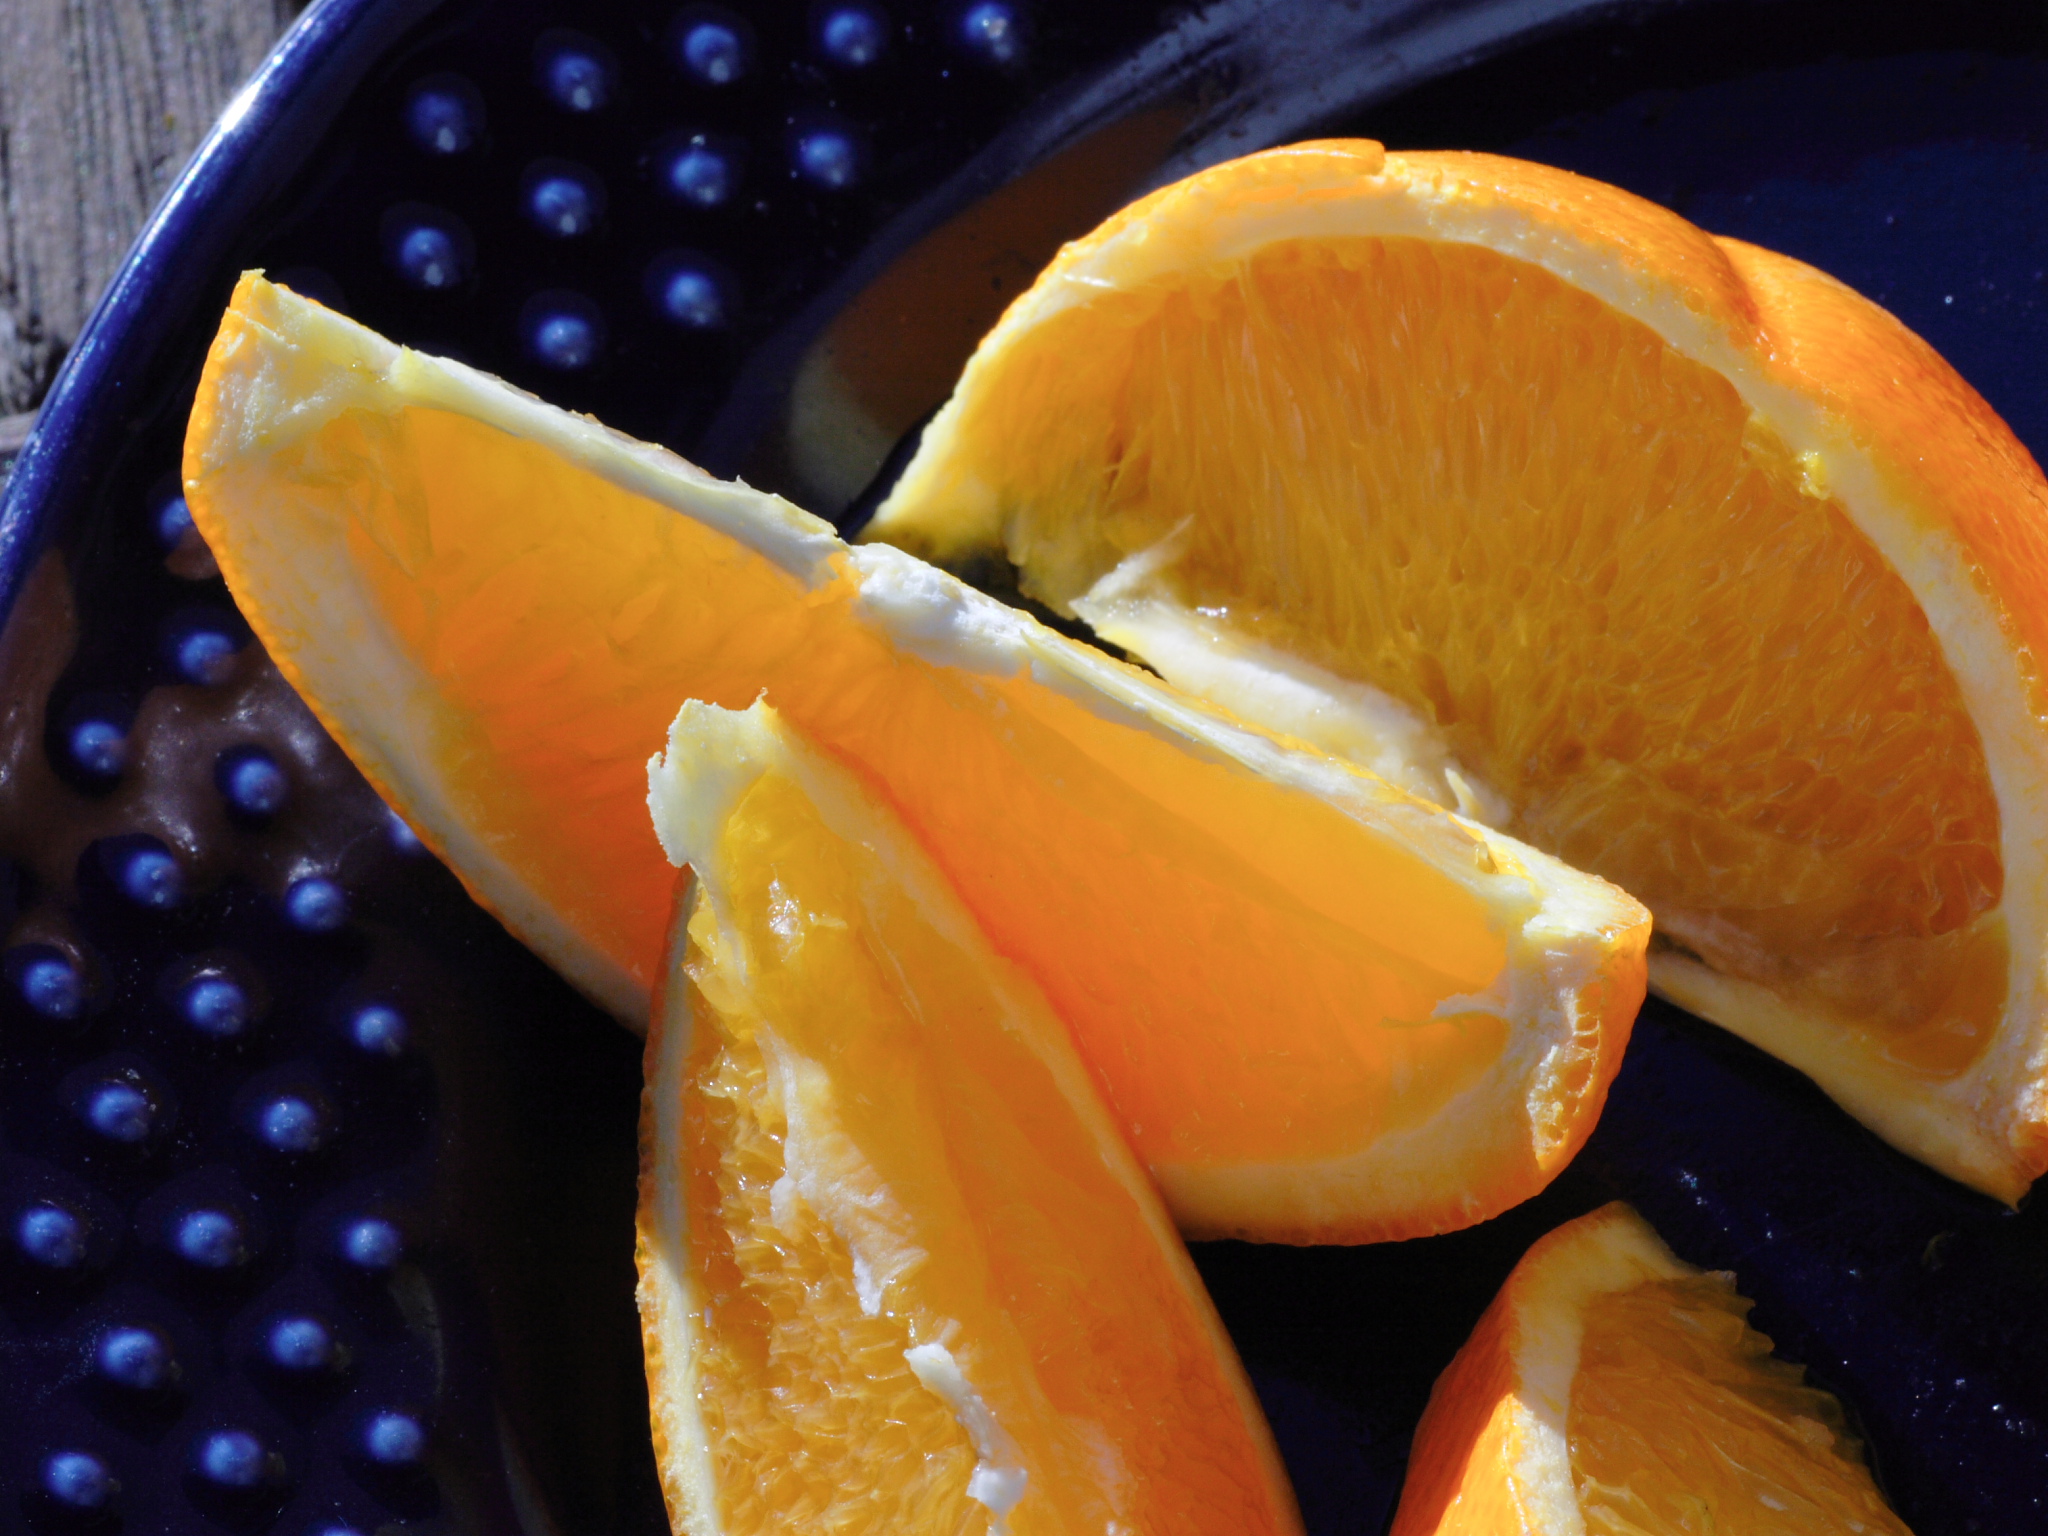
x=101 y=103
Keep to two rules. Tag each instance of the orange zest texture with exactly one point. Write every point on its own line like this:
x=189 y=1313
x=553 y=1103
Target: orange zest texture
x=1322 y=1008
x=898 y=1270
x=1613 y=1390
x=1670 y=555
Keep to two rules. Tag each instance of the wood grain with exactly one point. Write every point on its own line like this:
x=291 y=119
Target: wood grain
x=101 y=103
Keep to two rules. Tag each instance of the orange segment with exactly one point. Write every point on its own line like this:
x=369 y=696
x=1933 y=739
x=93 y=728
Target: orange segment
x=1672 y=556
x=1613 y=1390
x=899 y=1271
x=1320 y=1007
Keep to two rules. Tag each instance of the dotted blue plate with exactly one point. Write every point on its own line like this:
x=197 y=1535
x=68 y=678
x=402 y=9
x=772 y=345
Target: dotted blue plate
x=316 y=1190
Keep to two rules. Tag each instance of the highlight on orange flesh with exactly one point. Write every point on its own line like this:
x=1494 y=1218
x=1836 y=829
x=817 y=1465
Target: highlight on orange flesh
x=1670 y=555
x=1321 y=1008
x=898 y=1270
x=1613 y=1390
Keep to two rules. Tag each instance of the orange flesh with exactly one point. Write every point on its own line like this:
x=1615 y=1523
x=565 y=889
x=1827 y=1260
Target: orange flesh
x=1527 y=518
x=1681 y=1424
x=989 y=1215
x=1196 y=873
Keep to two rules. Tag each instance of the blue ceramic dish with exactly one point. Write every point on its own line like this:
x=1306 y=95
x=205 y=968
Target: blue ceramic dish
x=315 y=1190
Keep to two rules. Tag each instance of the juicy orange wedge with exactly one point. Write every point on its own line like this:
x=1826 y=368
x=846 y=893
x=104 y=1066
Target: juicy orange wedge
x=1670 y=555
x=898 y=1270
x=1321 y=1007
x=1614 y=1390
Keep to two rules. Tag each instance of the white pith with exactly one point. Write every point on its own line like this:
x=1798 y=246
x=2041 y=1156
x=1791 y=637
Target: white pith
x=1967 y=1124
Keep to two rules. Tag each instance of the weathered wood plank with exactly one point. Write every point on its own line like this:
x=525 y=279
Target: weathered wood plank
x=101 y=102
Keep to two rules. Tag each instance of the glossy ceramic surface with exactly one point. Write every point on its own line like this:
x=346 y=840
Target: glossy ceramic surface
x=315 y=1190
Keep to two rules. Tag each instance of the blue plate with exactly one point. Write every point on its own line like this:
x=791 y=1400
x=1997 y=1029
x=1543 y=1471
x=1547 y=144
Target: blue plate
x=316 y=1190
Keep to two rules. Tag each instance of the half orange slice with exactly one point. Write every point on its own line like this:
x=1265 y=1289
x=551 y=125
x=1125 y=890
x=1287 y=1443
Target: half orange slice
x=1614 y=1390
x=1670 y=555
x=898 y=1270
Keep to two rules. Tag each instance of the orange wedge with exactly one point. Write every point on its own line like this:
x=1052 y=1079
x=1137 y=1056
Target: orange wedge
x=1670 y=555
x=1320 y=1007
x=898 y=1270
x=1613 y=1390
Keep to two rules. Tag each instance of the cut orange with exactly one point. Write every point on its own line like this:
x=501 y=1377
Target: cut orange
x=898 y=1270
x=1321 y=1008
x=1670 y=555
x=1613 y=1390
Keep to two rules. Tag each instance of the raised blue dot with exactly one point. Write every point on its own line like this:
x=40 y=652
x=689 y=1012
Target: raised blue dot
x=316 y=904
x=828 y=158
x=206 y=656
x=79 y=1479
x=565 y=339
x=292 y=1124
x=211 y=1239
x=394 y=1439
x=372 y=1243
x=693 y=298
x=137 y=1358
x=173 y=520
x=120 y=1112
x=699 y=174
x=577 y=79
x=215 y=1005
x=233 y=1458
x=51 y=985
x=562 y=205
x=994 y=30
x=429 y=257
x=854 y=36
x=252 y=782
x=150 y=877
x=100 y=747
x=51 y=1236
x=379 y=1030
x=301 y=1344
x=403 y=838
x=715 y=52
x=442 y=119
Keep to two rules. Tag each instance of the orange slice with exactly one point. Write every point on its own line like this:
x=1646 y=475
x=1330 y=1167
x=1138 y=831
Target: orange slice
x=898 y=1270
x=1321 y=1007
x=1613 y=1390
x=1670 y=555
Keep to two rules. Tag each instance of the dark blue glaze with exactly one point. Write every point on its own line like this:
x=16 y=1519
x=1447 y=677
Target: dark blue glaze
x=316 y=904
x=379 y=1030
x=51 y=1236
x=234 y=1458
x=79 y=1480
x=140 y=1359
x=445 y=115
x=394 y=1439
x=120 y=1111
x=49 y=982
x=853 y=36
x=143 y=871
x=215 y=1005
x=372 y=1244
x=252 y=781
x=575 y=72
x=564 y=331
x=713 y=46
x=301 y=1344
x=211 y=1239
